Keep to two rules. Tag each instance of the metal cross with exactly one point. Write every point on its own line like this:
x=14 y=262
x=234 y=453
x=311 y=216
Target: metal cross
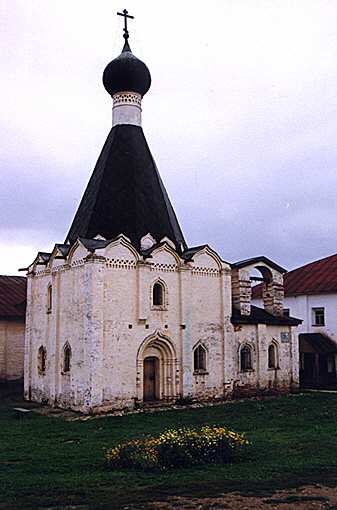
x=125 y=16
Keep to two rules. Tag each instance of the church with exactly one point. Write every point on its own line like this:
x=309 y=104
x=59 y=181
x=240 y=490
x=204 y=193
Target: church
x=125 y=312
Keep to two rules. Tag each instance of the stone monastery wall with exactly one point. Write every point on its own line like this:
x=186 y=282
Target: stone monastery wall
x=12 y=340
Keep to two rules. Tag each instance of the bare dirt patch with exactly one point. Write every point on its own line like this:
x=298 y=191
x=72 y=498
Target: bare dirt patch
x=148 y=408
x=310 y=497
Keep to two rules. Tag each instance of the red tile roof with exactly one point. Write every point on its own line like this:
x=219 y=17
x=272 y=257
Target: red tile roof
x=314 y=278
x=13 y=296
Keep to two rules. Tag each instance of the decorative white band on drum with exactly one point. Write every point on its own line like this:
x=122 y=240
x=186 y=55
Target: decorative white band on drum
x=126 y=108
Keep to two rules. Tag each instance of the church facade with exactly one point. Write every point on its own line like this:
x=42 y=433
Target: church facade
x=124 y=312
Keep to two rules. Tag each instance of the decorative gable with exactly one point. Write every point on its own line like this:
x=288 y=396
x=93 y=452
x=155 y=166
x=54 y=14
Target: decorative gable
x=77 y=253
x=169 y=242
x=165 y=256
x=204 y=260
x=207 y=260
x=58 y=256
x=120 y=250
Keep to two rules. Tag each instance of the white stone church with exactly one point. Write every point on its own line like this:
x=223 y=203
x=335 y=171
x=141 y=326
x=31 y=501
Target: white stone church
x=124 y=312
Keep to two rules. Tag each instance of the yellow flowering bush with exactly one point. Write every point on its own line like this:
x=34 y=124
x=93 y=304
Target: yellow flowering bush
x=180 y=447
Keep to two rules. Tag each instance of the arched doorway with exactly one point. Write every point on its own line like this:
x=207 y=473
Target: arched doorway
x=151 y=379
x=157 y=369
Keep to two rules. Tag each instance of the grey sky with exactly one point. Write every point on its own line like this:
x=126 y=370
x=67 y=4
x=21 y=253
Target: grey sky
x=241 y=119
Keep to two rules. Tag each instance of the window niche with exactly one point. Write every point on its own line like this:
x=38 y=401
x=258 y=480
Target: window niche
x=49 y=298
x=246 y=358
x=159 y=295
x=273 y=356
x=200 y=359
x=41 y=360
x=66 y=359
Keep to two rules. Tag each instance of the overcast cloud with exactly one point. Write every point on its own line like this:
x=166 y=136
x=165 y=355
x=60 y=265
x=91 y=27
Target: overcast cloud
x=241 y=119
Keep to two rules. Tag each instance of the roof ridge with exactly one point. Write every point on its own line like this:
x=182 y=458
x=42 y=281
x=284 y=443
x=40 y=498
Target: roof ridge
x=312 y=263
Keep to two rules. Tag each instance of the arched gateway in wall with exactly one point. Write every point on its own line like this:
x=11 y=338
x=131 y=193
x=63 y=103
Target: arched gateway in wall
x=157 y=369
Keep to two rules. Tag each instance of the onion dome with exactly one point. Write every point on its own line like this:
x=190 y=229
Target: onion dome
x=126 y=73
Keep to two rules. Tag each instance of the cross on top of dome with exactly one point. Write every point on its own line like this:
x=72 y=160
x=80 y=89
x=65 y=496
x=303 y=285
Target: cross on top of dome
x=126 y=72
x=126 y=15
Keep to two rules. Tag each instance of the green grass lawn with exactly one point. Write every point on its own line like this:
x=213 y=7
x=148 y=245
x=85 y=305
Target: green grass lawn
x=49 y=462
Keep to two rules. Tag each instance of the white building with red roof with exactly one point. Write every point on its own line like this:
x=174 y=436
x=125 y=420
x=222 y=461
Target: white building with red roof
x=311 y=294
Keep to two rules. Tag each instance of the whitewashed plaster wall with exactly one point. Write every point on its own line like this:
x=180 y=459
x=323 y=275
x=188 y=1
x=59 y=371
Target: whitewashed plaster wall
x=102 y=307
x=301 y=307
x=52 y=331
x=259 y=337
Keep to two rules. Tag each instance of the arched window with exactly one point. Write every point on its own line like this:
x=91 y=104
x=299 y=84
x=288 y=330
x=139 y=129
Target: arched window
x=66 y=358
x=272 y=356
x=158 y=293
x=246 y=358
x=199 y=358
x=49 y=298
x=41 y=360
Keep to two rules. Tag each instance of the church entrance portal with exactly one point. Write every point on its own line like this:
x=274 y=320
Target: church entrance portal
x=151 y=378
x=158 y=374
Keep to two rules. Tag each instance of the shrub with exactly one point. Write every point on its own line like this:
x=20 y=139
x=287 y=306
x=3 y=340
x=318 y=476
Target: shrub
x=184 y=401
x=178 y=448
x=139 y=454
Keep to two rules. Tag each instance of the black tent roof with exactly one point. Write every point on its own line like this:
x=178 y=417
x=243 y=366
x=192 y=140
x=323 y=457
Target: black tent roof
x=125 y=194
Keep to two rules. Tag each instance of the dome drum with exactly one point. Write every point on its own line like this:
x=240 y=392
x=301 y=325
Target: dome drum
x=127 y=97
x=126 y=108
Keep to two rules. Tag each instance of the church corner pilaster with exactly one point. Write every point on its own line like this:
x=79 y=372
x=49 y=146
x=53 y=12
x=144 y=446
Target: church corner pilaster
x=93 y=331
x=261 y=350
x=54 y=339
x=294 y=357
x=185 y=274
x=228 y=336
x=143 y=275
